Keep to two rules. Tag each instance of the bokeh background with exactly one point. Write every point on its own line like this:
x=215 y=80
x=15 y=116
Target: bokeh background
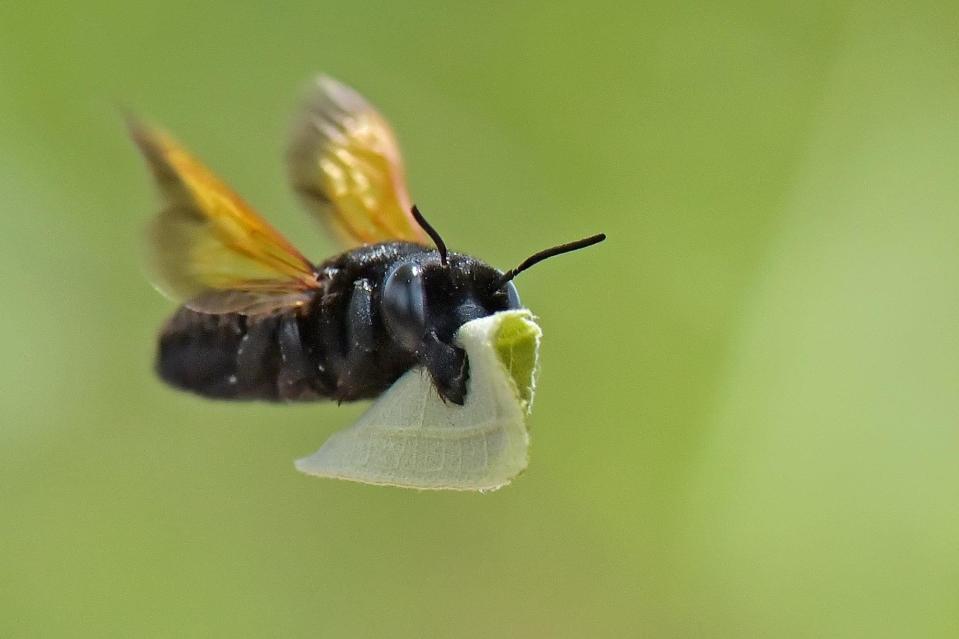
x=747 y=423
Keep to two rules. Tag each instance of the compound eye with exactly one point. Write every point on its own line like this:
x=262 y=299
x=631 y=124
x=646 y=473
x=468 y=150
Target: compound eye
x=404 y=305
x=512 y=297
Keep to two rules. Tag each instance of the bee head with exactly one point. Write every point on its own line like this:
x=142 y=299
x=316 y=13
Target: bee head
x=437 y=291
x=426 y=294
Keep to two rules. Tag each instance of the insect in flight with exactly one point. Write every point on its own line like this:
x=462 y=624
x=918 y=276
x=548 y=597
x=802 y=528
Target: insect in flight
x=259 y=321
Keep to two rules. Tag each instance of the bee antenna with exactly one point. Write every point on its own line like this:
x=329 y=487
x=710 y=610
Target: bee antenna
x=437 y=240
x=536 y=258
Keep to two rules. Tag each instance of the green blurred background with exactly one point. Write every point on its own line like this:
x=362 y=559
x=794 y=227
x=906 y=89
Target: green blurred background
x=747 y=423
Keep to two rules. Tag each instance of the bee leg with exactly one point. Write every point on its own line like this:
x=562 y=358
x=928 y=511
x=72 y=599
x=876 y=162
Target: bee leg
x=448 y=366
x=256 y=361
x=297 y=378
x=332 y=363
x=360 y=339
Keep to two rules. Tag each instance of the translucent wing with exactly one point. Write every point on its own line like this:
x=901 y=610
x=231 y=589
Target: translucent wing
x=411 y=438
x=208 y=248
x=345 y=164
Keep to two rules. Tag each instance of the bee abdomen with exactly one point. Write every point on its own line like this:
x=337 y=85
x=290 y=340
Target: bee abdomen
x=231 y=356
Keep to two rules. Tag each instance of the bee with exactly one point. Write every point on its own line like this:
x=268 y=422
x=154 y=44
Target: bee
x=259 y=321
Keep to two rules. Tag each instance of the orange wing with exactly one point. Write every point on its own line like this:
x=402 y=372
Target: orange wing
x=345 y=164
x=208 y=248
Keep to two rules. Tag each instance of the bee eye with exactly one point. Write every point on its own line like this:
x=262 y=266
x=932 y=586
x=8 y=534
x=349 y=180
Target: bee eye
x=404 y=305
x=512 y=296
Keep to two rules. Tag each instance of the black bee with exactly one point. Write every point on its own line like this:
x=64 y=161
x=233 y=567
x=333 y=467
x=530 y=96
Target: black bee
x=259 y=321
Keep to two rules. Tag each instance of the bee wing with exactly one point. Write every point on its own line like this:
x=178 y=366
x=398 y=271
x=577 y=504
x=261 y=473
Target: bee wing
x=345 y=164
x=208 y=248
